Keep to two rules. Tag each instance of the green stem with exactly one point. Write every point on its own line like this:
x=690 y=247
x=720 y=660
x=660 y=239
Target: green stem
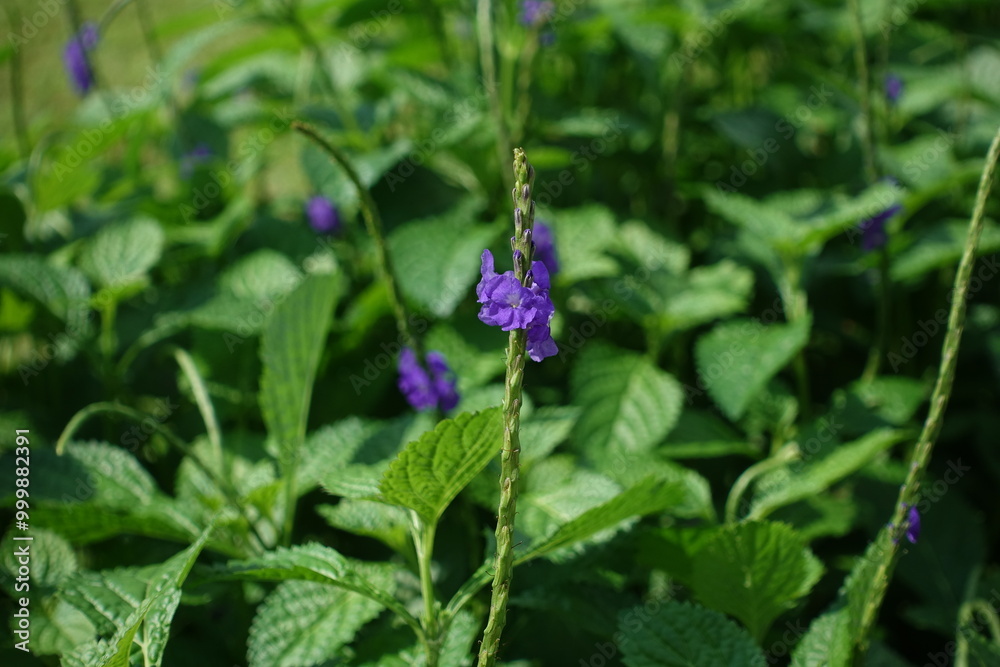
x=524 y=214
x=864 y=85
x=373 y=223
x=920 y=457
x=17 y=89
x=779 y=460
x=205 y=406
x=487 y=59
x=883 y=315
x=146 y=25
x=171 y=438
x=423 y=541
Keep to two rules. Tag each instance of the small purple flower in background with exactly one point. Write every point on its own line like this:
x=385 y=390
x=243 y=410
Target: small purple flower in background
x=200 y=154
x=893 y=88
x=510 y=305
x=75 y=58
x=323 y=215
x=545 y=249
x=535 y=12
x=912 y=524
x=426 y=391
x=873 y=229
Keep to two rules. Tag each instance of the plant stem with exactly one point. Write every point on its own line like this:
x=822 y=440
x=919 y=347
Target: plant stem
x=524 y=214
x=373 y=223
x=487 y=60
x=423 y=540
x=882 y=323
x=864 y=89
x=921 y=455
x=779 y=460
x=17 y=89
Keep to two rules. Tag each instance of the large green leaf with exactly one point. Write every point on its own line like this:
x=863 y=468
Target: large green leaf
x=754 y=571
x=131 y=600
x=290 y=350
x=436 y=261
x=820 y=473
x=737 y=358
x=63 y=290
x=304 y=623
x=680 y=634
x=628 y=404
x=649 y=496
x=826 y=643
x=430 y=472
x=121 y=254
x=315 y=562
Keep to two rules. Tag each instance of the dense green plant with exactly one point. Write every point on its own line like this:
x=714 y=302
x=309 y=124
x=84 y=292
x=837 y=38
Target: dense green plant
x=251 y=281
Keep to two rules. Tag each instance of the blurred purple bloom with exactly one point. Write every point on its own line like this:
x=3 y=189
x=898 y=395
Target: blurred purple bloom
x=873 y=229
x=200 y=154
x=510 y=305
x=443 y=381
x=535 y=12
x=912 y=524
x=323 y=215
x=426 y=391
x=893 y=88
x=75 y=58
x=545 y=250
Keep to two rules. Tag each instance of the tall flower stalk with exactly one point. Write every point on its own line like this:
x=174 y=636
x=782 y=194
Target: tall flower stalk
x=909 y=492
x=524 y=215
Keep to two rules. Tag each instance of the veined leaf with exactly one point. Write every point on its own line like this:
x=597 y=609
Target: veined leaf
x=826 y=643
x=818 y=475
x=63 y=290
x=149 y=597
x=754 y=571
x=120 y=254
x=737 y=358
x=289 y=352
x=680 y=634
x=431 y=471
x=628 y=404
x=304 y=623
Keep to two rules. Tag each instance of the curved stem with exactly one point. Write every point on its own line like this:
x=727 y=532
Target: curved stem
x=373 y=223
x=921 y=455
x=205 y=406
x=782 y=458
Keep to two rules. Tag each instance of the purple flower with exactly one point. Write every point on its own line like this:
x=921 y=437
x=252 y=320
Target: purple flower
x=75 y=58
x=893 y=88
x=510 y=305
x=545 y=249
x=323 y=216
x=423 y=390
x=200 y=154
x=535 y=12
x=912 y=524
x=873 y=229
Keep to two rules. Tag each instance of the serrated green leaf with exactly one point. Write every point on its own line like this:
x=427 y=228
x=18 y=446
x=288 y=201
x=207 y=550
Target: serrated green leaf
x=63 y=290
x=647 y=497
x=628 y=404
x=680 y=634
x=436 y=261
x=826 y=644
x=386 y=523
x=290 y=350
x=709 y=292
x=754 y=571
x=822 y=472
x=121 y=254
x=431 y=471
x=264 y=274
x=315 y=562
x=583 y=236
x=52 y=559
x=149 y=596
x=766 y=222
x=941 y=246
x=304 y=623
x=737 y=358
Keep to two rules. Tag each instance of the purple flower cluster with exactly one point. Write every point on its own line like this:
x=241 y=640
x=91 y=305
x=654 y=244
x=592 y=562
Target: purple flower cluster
x=75 y=58
x=893 y=88
x=510 y=305
x=426 y=390
x=912 y=524
x=536 y=12
x=545 y=249
x=873 y=229
x=323 y=215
